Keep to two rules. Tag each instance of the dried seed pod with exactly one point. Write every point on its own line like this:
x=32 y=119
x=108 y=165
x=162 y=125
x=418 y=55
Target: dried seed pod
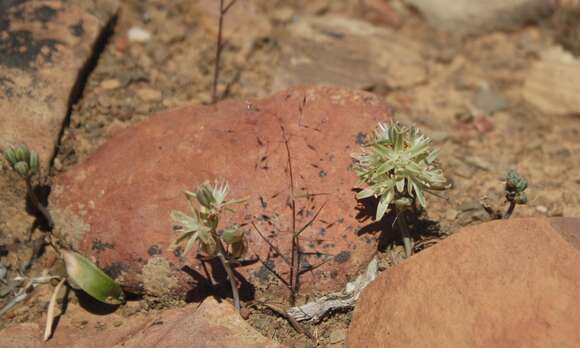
x=239 y=248
x=233 y=234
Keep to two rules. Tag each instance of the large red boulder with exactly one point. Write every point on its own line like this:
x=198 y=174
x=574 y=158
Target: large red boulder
x=508 y=283
x=116 y=205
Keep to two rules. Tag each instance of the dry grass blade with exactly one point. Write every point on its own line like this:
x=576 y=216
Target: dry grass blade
x=312 y=268
x=295 y=257
x=299 y=328
x=310 y=221
x=271 y=245
x=51 y=307
x=275 y=274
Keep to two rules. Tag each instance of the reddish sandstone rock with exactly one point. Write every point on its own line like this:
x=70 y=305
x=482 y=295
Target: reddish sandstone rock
x=504 y=283
x=44 y=45
x=116 y=205
x=210 y=324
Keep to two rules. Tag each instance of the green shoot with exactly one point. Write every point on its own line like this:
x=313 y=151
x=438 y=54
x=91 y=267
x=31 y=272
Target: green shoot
x=200 y=229
x=398 y=167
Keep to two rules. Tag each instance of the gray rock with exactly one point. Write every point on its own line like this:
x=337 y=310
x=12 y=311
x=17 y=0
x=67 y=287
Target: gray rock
x=346 y=52
x=465 y=17
x=489 y=100
x=550 y=86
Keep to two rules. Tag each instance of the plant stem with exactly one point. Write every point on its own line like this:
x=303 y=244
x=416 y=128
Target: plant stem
x=41 y=208
x=225 y=263
x=219 y=47
x=295 y=258
x=406 y=236
x=510 y=210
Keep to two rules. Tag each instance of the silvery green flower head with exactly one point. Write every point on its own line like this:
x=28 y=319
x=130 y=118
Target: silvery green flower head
x=210 y=198
x=200 y=226
x=398 y=166
x=23 y=160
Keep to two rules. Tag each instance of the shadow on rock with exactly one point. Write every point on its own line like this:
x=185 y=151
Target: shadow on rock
x=94 y=306
x=204 y=288
x=424 y=232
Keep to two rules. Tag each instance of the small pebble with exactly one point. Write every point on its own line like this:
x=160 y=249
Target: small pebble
x=477 y=162
x=489 y=100
x=148 y=94
x=438 y=136
x=57 y=164
x=137 y=34
x=451 y=214
x=110 y=84
x=469 y=205
x=483 y=124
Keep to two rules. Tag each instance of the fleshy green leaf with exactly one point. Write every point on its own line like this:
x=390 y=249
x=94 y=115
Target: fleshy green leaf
x=10 y=154
x=384 y=205
x=91 y=279
x=366 y=193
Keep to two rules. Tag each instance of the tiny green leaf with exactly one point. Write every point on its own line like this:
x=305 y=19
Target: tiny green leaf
x=10 y=154
x=33 y=163
x=22 y=153
x=384 y=205
x=22 y=169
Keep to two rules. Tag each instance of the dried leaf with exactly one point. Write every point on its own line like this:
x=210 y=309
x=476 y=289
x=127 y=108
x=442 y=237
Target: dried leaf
x=51 y=307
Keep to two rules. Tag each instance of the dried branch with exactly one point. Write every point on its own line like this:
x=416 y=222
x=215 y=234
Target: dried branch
x=219 y=48
x=272 y=245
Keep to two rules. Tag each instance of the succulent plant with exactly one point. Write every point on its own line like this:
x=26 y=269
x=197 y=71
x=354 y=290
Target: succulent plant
x=515 y=185
x=397 y=166
x=23 y=160
x=201 y=228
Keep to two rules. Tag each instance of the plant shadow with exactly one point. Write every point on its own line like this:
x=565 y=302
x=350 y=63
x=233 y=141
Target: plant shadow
x=424 y=232
x=42 y=192
x=203 y=287
x=92 y=305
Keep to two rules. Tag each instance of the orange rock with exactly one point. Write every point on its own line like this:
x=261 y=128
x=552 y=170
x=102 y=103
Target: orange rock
x=503 y=283
x=210 y=324
x=116 y=205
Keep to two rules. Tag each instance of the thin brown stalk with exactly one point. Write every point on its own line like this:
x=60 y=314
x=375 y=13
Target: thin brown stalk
x=275 y=274
x=312 y=268
x=219 y=48
x=405 y=235
x=311 y=220
x=225 y=263
x=295 y=259
x=299 y=328
x=271 y=245
x=510 y=209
